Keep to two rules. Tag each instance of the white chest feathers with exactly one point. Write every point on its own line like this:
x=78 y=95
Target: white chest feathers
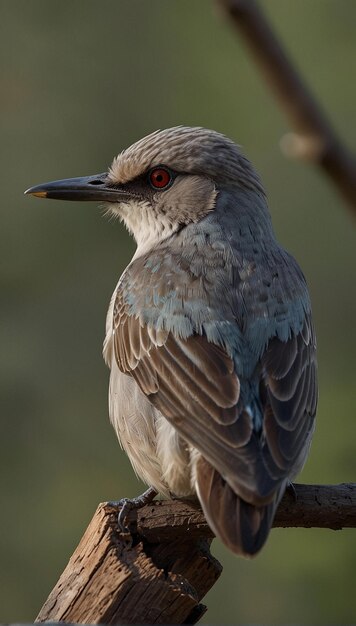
x=148 y=227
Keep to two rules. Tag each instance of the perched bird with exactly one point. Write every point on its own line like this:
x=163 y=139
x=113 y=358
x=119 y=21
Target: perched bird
x=209 y=335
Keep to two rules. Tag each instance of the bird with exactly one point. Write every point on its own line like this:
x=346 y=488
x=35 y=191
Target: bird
x=209 y=333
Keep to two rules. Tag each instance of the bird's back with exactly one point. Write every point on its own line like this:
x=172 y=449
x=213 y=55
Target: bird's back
x=214 y=326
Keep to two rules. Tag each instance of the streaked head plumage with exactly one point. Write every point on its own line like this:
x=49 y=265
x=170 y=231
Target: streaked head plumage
x=200 y=163
x=188 y=150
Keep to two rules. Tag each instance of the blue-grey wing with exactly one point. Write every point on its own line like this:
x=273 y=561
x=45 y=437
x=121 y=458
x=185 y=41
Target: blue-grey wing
x=193 y=383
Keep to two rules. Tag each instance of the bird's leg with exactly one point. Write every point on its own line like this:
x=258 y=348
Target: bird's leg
x=129 y=504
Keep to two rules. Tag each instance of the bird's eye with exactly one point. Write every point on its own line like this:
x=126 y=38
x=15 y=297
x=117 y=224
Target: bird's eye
x=160 y=178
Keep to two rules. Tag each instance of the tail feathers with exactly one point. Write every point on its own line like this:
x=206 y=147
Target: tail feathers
x=241 y=526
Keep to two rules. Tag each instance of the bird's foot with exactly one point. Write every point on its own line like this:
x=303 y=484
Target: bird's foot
x=129 y=504
x=292 y=490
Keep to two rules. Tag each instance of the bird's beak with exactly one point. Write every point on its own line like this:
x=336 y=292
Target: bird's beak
x=96 y=188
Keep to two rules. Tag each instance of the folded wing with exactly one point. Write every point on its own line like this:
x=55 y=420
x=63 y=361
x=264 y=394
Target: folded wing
x=240 y=473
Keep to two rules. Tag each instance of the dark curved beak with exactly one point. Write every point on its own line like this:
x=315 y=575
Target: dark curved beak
x=95 y=188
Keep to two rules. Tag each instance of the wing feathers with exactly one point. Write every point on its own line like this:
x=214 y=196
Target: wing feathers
x=291 y=401
x=280 y=356
x=192 y=382
x=208 y=378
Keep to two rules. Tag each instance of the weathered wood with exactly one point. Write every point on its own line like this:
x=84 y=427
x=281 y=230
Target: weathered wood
x=159 y=573
x=320 y=506
x=114 y=578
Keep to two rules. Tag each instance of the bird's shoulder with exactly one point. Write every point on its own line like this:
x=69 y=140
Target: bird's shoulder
x=205 y=282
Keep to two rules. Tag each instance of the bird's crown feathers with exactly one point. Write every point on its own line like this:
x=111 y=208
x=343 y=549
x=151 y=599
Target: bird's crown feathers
x=189 y=150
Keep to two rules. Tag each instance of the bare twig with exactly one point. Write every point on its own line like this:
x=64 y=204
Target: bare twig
x=314 y=138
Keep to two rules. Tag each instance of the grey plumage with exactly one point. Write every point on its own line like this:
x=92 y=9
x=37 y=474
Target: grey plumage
x=209 y=334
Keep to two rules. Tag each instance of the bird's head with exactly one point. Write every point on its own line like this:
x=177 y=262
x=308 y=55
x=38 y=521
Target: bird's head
x=163 y=181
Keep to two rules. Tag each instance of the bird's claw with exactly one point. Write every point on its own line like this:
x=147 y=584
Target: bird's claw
x=126 y=505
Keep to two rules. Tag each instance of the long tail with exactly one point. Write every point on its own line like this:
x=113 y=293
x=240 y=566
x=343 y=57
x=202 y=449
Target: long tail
x=241 y=526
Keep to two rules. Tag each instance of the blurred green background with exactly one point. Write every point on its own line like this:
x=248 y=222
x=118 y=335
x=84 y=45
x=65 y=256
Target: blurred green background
x=79 y=82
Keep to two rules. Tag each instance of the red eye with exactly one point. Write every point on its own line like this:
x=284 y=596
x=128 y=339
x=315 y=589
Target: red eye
x=160 y=178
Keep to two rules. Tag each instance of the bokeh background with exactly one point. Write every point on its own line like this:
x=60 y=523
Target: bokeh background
x=79 y=82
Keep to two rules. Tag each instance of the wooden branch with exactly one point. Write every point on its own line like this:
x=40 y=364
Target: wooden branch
x=311 y=506
x=114 y=578
x=314 y=139
x=159 y=573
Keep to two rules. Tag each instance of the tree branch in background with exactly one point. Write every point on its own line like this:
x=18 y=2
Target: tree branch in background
x=314 y=138
x=159 y=573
